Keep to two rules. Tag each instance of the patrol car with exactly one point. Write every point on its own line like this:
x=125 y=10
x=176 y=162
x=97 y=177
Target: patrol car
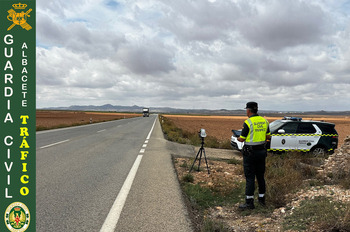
x=295 y=134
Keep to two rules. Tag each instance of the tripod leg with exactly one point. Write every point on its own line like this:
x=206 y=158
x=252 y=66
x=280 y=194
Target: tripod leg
x=200 y=157
x=205 y=157
x=195 y=160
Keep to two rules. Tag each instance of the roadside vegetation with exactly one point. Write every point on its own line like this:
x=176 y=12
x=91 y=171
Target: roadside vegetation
x=175 y=134
x=286 y=175
x=293 y=199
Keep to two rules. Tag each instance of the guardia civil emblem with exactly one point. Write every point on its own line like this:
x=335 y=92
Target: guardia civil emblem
x=17 y=217
x=19 y=18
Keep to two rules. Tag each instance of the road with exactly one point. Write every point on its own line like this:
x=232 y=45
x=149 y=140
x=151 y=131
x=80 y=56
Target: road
x=112 y=176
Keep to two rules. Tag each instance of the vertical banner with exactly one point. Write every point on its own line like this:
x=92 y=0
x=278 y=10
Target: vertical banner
x=17 y=115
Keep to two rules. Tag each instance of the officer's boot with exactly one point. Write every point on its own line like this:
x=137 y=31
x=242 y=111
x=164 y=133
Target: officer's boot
x=262 y=201
x=249 y=204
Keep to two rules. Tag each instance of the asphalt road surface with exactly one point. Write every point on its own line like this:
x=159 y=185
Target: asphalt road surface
x=112 y=176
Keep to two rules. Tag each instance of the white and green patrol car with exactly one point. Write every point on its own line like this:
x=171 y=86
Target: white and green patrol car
x=295 y=134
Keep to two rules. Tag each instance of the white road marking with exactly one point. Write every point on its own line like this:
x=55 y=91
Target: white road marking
x=149 y=134
x=72 y=127
x=53 y=144
x=144 y=145
x=101 y=131
x=113 y=216
x=146 y=141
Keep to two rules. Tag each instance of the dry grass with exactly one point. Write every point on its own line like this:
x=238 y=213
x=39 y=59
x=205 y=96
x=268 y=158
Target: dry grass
x=220 y=126
x=49 y=119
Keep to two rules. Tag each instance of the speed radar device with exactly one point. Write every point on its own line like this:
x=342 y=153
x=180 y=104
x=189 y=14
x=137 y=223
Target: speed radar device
x=202 y=133
x=201 y=151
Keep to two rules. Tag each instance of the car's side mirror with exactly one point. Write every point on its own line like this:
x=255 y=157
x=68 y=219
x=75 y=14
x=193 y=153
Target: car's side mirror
x=281 y=131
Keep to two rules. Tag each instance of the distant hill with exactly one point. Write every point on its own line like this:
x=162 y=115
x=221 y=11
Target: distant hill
x=169 y=110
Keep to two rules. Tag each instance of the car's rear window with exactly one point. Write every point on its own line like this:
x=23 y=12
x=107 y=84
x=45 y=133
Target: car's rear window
x=327 y=128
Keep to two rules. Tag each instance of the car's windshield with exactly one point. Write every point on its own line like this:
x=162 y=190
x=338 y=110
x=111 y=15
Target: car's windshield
x=275 y=125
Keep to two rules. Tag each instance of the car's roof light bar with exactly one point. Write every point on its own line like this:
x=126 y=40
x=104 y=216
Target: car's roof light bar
x=292 y=118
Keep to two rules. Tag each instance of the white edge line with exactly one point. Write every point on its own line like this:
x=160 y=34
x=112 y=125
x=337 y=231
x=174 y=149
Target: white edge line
x=71 y=127
x=53 y=144
x=101 y=130
x=114 y=213
x=149 y=134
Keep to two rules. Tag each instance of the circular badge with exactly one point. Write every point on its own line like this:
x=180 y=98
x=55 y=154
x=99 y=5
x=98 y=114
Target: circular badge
x=17 y=217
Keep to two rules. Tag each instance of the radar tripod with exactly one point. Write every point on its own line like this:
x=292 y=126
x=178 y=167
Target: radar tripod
x=201 y=151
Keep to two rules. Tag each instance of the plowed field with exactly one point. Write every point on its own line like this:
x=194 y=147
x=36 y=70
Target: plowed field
x=54 y=119
x=221 y=126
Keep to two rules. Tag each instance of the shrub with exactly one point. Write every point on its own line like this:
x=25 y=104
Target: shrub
x=234 y=161
x=210 y=225
x=321 y=213
x=203 y=197
x=200 y=196
x=342 y=178
x=282 y=177
x=226 y=144
x=184 y=164
x=188 y=178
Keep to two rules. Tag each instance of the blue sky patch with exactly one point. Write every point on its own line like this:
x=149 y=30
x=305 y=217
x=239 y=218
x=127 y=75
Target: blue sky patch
x=113 y=4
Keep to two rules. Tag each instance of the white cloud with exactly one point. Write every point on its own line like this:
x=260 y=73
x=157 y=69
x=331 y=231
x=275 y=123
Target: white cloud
x=276 y=25
x=290 y=55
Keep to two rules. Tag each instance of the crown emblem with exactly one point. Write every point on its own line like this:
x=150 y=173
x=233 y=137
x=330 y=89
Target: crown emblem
x=19 y=6
x=17 y=209
x=19 y=18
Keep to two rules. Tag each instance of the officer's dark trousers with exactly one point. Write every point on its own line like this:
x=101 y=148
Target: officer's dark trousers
x=254 y=166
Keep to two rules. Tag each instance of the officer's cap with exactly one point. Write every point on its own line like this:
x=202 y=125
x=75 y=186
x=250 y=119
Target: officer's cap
x=252 y=105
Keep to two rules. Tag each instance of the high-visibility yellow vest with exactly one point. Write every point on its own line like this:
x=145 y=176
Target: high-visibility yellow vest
x=257 y=130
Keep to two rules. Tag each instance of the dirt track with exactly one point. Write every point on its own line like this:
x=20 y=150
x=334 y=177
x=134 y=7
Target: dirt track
x=54 y=119
x=221 y=126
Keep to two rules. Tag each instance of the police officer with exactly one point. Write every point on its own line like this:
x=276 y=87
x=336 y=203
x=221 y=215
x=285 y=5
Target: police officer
x=254 y=134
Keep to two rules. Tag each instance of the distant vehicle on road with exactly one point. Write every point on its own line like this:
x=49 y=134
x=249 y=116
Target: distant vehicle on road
x=145 y=112
x=295 y=134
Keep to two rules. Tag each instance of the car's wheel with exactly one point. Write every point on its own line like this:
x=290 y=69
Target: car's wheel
x=319 y=151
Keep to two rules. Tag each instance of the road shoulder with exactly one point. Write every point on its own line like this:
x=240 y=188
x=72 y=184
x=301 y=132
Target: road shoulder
x=155 y=202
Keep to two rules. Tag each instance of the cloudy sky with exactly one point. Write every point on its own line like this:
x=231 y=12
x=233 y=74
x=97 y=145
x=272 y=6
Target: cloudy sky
x=284 y=54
